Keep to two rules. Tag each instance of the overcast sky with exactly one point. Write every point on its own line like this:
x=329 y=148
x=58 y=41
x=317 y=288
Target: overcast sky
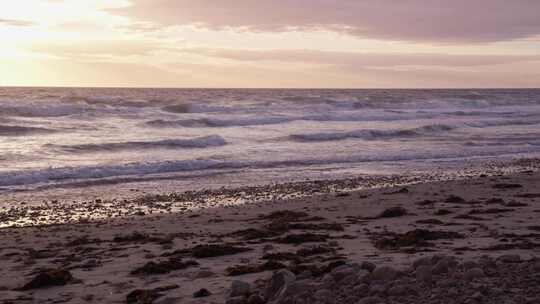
x=270 y=43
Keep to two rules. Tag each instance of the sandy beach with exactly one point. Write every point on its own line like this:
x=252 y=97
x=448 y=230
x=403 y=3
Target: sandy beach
x=169 y=258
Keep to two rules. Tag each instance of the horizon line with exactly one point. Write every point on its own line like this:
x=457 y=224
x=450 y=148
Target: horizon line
x=272 y=88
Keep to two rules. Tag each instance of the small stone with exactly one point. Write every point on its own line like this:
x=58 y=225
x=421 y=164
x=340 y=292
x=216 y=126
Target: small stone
x=306 y=274
x=477 y=295
x=423 y=273
x=470 y=265
x=201 y=293
x=340 y=272
x=510 y=258
x=361 y=289
x=474 y=273
x=384 y=273
x=397 y=290
x=444 y=265
x=422 y=261
x=368 y=266
x=280 y=279
x=323 y=295
x=236 y=300
x=376 y=289
x=48 y=278
x=370 y=300
x=239 y=288
x=255 y=299
x=268 y=247
x=204 y=274
x=447 y=283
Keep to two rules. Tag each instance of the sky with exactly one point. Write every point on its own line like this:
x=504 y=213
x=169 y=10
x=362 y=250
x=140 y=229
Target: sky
x=270 y=43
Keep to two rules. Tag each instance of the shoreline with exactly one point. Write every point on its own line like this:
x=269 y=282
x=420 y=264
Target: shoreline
x=466 y=219
x=38 y=208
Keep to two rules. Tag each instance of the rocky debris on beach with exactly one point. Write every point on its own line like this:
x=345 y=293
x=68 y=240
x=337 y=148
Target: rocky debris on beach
x=393 y=212
x=433 y=279
x=414 y=238
x=209 y=251
x=215 y=250
x=147 y=296
x=49 y=278
x=163 y=267
x=202 y=293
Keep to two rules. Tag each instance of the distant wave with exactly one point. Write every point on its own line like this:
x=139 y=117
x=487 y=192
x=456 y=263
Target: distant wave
x=372 y=134
x=259 y=120
x=501 y=123
x=199 y=142
x=40 y=111
x=216 y=122
x=180 y=108
x=7 y=130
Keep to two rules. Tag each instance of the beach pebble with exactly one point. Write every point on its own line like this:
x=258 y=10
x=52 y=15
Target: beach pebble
x=323 y=295
x=280 y=279
x=201 y=293
x=361 y=289
x=423 y=273
x=371 y=300
x=397 y=290
x=474 y=273
x=239 y=288
x=444 y=265
x=376 y=289
x=255 y=299
x=384 y=273
x=204 y=274
x=510 y=258
x=341 y=272
x=422 y=261
x=368 y=266
x=236 y=300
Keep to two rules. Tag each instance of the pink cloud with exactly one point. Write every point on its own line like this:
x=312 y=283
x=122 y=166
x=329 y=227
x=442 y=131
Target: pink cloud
x=362 y=59
x=410 y=20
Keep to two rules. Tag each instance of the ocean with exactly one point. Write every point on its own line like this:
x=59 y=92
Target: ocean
x=60 y=138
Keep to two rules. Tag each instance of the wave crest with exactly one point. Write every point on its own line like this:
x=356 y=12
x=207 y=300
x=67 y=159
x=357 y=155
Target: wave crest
x=199 y=142
x=372 y=134
x=7 y=130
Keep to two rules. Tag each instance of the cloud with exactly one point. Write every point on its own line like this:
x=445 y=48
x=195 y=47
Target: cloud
x=351 y=59
x=444 y=21
x=12 y=22
x=85 y=48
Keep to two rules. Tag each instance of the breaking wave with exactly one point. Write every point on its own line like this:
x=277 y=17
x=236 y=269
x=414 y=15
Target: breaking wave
x=7 y=130
x=199 y=142
x=372 y=134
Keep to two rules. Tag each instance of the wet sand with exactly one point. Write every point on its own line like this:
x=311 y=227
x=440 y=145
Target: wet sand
x=174 y=255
